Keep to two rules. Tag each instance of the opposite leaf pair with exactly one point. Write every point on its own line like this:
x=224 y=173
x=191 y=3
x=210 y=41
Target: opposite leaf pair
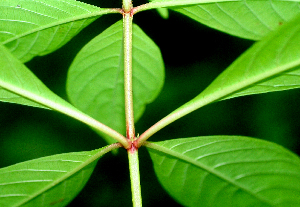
x=207 y=171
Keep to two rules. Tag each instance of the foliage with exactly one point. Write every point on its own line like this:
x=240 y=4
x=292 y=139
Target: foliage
x=121 y=70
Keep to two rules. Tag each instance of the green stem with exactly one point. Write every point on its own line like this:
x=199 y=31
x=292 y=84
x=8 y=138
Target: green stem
x=135 y=176
x=127 y=5
x=127 y=35
x=175 y=115
x=130 y=131
x=156 y=127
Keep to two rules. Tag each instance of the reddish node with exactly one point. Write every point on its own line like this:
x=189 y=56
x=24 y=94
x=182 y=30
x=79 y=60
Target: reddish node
x=133 y=147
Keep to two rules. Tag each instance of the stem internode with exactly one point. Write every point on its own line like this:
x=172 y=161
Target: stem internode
x=127 y=36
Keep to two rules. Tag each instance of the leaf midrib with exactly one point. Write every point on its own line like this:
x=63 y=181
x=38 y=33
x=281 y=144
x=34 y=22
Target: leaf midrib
x=208 y=169
x=166 y=3
x=207 y=97
x=163 y=3
x=61 y=22
x=250 y=82
x=69 y=174
x=182 y=3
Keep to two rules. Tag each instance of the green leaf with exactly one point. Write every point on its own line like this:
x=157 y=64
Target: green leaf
x=30 y=27
x=272 y=64
x=269 y=65
x=250 y=19
x=228 y=171
x=179 y=3
x=19 y=85
x=47 y=181
x=95 y=81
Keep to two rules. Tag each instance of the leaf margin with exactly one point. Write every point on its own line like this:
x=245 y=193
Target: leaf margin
x=48 y=99
x=209 y=95
x=94 y=13
x=160 y=148
x=97 y=154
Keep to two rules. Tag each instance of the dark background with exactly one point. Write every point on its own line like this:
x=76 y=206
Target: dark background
x=194 y=55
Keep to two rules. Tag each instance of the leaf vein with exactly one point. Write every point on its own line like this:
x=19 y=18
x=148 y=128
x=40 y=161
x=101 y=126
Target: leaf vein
x=25 y=181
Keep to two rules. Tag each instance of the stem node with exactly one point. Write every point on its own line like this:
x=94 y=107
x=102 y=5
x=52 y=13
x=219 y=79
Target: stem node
x=127 y=6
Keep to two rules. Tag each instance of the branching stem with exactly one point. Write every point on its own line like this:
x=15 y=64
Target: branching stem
x=130 y=131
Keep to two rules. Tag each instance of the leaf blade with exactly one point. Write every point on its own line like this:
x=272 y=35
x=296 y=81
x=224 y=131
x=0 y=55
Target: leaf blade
x=227 y=171
x=246 y=19
x=53 y=180
x=31 y=28
x=178 y=3
x=271 y=64
x=19 y=85
x=95 y=82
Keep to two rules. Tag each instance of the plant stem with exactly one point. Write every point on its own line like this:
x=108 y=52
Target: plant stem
x=130 y=131
x=127 y=36
x=175 y=115
x=135 y=176
x=127 y=5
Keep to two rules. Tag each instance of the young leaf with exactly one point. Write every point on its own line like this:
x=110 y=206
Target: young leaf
x=30 y=28
x=273 y=64
x=228 y=171
x=95 y=81
x=243 y=18
x=19 y=85
x=48 y=181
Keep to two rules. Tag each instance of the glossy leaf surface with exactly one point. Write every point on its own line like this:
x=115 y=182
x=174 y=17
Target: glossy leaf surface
x=179 y=3
x=96 y=77
x=19 y=85
x=228 y=171
x=272 y=64
x=250 y=19
x=30 y=27
x=47 y=181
